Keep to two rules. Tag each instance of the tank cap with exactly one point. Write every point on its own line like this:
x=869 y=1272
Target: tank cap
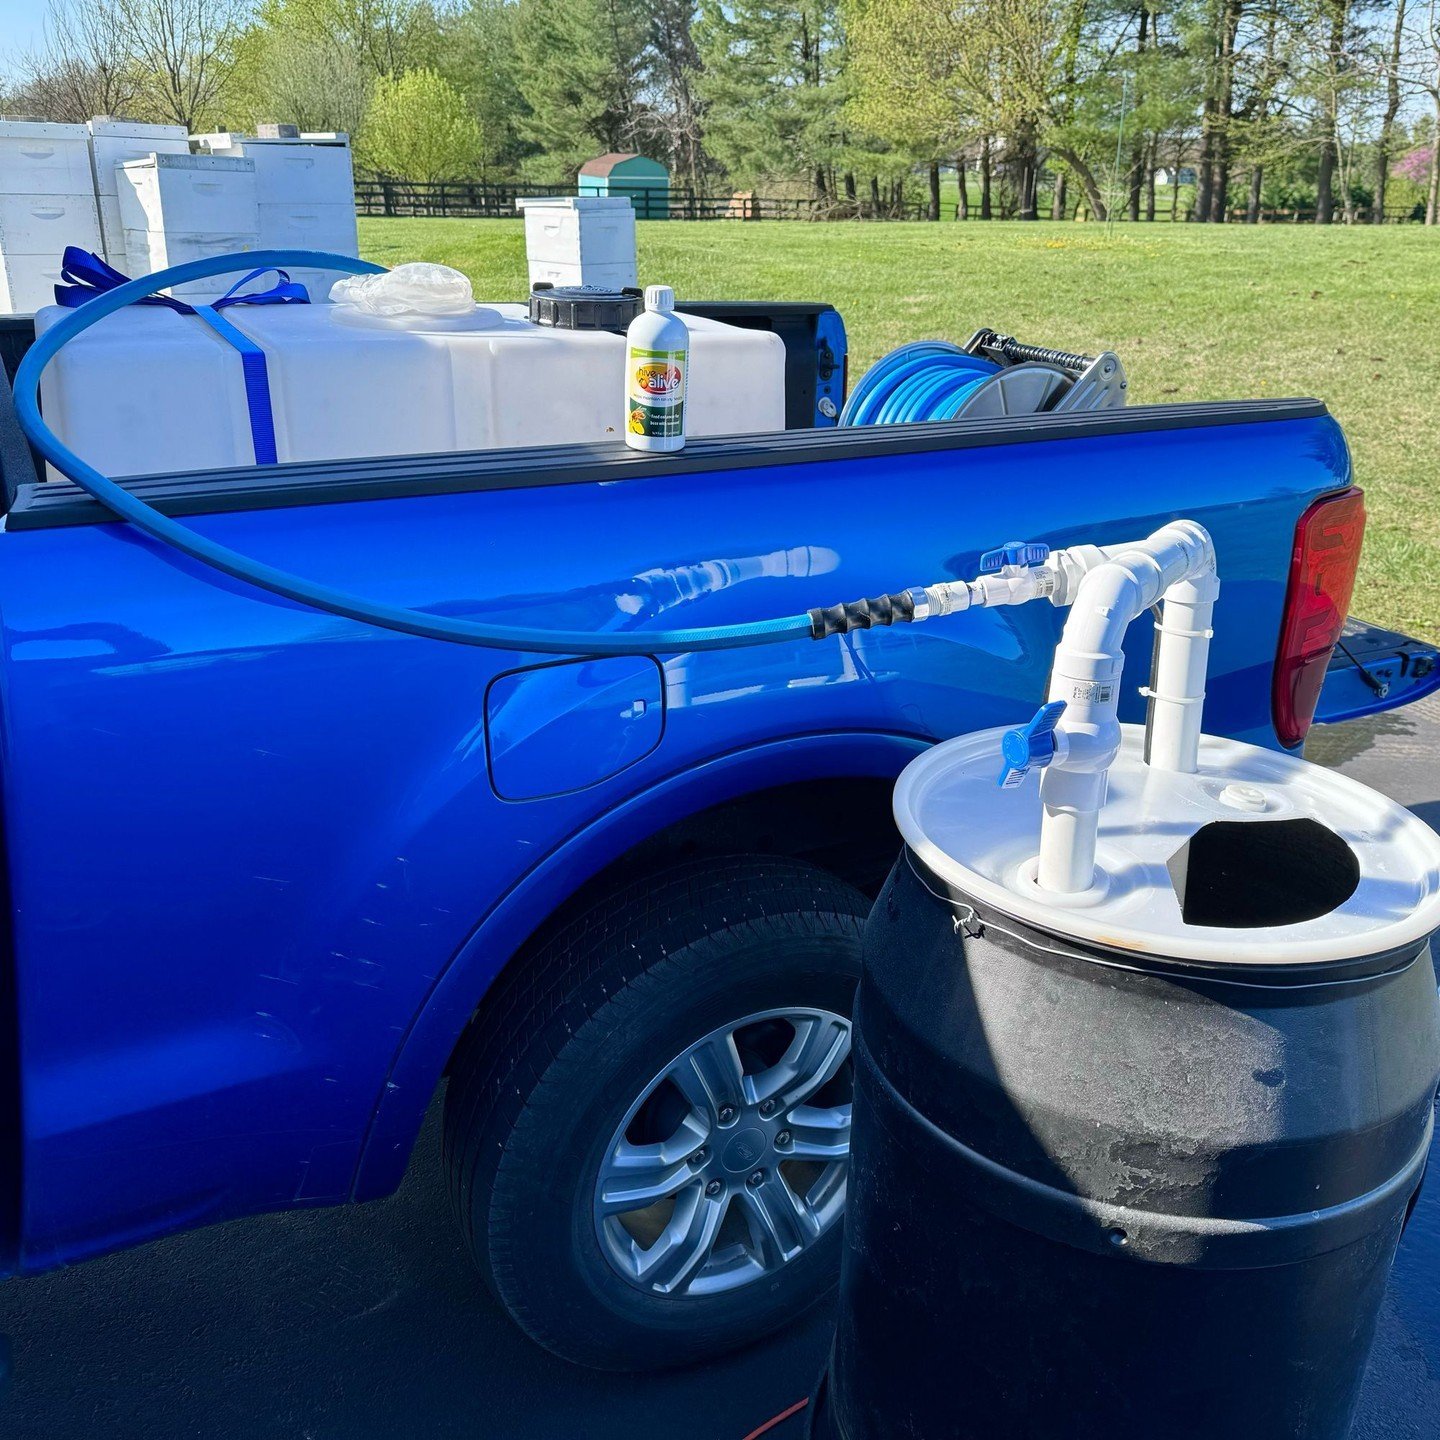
x=584 y=307
x=1240 y=796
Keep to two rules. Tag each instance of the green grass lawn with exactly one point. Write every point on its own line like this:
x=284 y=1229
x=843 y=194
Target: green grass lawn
x=1196 y=313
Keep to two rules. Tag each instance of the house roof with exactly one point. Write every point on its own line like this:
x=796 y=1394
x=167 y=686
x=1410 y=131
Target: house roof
x=605 y=164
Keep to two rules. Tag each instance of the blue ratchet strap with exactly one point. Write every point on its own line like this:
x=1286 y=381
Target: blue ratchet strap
x=89 y=276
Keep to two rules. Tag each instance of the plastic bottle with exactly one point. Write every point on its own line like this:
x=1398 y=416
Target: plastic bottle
x=657 y=362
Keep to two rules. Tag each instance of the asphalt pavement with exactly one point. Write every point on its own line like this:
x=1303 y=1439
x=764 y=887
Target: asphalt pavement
x=370 y=1322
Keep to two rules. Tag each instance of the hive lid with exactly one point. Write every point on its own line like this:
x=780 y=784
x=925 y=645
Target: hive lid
x=1179 y=871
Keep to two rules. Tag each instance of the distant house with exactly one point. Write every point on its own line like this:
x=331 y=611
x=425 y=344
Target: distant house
x=623 y=172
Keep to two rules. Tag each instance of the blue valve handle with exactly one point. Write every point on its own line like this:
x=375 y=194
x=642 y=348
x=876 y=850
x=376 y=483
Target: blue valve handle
x=1014 y=552
x=1030 y=745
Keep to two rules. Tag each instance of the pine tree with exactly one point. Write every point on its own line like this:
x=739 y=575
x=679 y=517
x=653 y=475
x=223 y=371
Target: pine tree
x=581 y=66
x=773 y=88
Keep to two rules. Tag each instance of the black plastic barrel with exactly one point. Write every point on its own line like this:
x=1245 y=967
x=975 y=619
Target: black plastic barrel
x=1101 y=1194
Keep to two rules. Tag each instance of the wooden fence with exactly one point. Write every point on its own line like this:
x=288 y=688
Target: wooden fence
x=466 y=199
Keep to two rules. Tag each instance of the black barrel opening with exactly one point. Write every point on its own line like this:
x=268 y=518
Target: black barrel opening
x=1252 y=874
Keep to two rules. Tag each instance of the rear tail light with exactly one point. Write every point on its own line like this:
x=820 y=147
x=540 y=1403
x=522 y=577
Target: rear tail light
x=1317 y=602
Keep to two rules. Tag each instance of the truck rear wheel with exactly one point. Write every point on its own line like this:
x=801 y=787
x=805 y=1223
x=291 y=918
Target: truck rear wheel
x=646 y=1138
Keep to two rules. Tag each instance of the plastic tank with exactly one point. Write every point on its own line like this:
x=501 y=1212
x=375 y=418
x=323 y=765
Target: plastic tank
x=1134 y=1163
x=150 y=391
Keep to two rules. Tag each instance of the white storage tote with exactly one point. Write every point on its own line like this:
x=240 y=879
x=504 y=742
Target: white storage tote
x=112 y=144
x=580 y=240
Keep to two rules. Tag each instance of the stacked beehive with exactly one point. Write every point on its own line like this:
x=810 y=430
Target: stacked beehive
x=304 y=192
x=178 y=208
x=137 y=194
x=112 y=144
x=47 y=201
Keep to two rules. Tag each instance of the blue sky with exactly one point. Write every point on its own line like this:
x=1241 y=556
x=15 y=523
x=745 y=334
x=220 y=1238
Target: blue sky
x=21 y=22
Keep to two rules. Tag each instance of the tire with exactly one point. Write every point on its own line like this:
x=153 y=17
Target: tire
x=544 y=1092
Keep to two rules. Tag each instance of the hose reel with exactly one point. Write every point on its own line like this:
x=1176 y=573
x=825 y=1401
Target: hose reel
x=990 y=376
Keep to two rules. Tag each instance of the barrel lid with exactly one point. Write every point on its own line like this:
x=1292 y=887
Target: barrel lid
x=1341 y=872
x=584 y=307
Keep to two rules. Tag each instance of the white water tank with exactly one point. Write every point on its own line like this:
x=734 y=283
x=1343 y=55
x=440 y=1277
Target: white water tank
x=149 y=391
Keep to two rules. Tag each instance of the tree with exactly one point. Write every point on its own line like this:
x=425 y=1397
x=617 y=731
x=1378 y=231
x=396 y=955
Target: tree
x=900 y=91
x=186 y=49
x=671 y=117
x=1385 y=142
x=774 y=88
x=315 y=62
x=582 y=66
x=477 y=55
x=86 y=66
x=419 y=128
x=1038 y=72
x=281 y=76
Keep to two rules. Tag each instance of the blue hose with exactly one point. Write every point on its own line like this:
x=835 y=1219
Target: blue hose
x=928 y=380
x=293 y=587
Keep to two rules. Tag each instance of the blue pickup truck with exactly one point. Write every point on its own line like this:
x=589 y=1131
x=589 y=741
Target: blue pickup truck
x=275 y=878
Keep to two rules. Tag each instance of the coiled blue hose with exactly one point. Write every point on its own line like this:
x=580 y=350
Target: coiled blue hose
x=928 y=380
x=294 y=587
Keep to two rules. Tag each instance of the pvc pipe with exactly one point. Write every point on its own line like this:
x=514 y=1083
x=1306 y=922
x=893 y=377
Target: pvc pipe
x=1086 y=676
x=1177 y=689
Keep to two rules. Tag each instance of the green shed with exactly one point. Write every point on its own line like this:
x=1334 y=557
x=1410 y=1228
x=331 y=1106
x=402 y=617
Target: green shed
x=646 y=182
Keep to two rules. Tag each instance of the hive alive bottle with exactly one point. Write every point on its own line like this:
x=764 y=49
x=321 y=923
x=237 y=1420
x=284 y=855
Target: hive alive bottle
x=657 y=361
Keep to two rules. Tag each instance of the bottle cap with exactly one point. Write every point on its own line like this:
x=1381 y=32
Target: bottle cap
x=659 y=297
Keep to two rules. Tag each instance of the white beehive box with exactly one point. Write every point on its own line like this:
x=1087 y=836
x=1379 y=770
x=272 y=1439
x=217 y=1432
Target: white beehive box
x=46 y=224
x=177 y=208
x=296 y=171
x=580 y=240
x=305 y=188
x=342 y=387
x=114 y=143
x=27 y=283
x=42 y=159
x=47 y=201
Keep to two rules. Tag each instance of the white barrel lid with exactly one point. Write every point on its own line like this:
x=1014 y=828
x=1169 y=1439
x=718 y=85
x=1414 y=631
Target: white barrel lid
x=983 y=841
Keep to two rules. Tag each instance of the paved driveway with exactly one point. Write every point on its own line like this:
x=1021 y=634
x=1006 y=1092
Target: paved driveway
x=369 y=1321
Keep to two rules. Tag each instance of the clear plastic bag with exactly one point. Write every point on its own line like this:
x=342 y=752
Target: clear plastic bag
x=418 y=288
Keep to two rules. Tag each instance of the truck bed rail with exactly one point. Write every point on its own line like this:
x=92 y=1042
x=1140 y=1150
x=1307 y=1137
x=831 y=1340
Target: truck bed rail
x=60 y=503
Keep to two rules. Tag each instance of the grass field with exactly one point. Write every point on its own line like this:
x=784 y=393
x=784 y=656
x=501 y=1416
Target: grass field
x=1196 y=313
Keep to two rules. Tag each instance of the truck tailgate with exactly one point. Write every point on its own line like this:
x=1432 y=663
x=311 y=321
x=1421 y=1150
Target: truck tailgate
x=1375 y=669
